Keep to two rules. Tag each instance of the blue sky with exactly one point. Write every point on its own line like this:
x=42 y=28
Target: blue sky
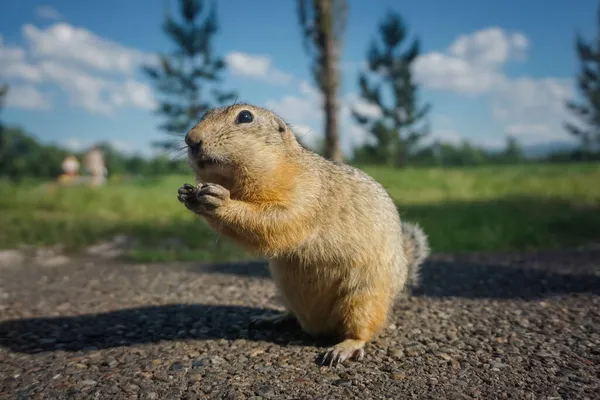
x=488 y=68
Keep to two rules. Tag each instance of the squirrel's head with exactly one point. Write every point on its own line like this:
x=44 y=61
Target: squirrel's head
x=238 y=139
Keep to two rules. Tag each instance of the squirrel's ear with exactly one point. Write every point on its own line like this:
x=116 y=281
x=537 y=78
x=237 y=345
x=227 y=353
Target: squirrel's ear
x=283 y=128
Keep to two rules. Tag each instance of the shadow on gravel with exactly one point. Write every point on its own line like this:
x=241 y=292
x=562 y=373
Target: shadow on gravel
x=133 y=326
x=476 y=280
x=251 y=269
x=534 y=279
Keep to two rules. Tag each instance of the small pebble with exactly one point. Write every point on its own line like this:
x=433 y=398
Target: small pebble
x=342 y=382
x=396 y=353
x=176 y=366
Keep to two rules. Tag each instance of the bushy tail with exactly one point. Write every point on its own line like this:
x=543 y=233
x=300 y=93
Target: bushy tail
x=416 y=249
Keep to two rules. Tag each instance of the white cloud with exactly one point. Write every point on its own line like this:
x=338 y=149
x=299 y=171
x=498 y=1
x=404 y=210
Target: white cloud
x=256 y=66
x=309 y=90
x=298 y=108
x=472 y=65
x=139 y=94
x=491 y=46
x=520 y=43
x=14 y=65
x=362 y=107
x=47 y=12
x=27 y=97
x=530 y=98
x=62 y=41
x=96 y=74
x=533 y=110
x=439 y=71
x=84 y=89
x=96 y=94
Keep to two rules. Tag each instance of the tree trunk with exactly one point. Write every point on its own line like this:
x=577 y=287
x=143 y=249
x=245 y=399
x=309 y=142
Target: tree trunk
x=332 y=140
x=400 y=156
x=401 y=159
x=330 y=85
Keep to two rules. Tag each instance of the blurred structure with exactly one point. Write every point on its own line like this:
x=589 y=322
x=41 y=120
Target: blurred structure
x=94 y=164
x=70 y=167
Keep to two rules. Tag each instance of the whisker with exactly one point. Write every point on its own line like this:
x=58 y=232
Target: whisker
x=178 y=140
x=178 y=155
x=177 y=134
x=175 y=149
x=305 y=134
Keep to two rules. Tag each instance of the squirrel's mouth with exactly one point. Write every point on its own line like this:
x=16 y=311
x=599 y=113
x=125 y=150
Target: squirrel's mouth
x=203 y=162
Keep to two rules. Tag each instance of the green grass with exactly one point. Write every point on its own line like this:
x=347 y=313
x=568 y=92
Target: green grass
x=484 y=208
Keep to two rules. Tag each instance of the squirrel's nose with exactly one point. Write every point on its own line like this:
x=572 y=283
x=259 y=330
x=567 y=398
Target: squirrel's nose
x=195 y=146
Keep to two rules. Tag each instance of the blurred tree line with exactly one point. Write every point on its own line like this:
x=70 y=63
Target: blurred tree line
x=449 y=154
x=23 y=156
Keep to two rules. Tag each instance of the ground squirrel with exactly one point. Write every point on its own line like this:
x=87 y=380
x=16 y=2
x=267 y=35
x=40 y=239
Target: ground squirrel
x=337 y=250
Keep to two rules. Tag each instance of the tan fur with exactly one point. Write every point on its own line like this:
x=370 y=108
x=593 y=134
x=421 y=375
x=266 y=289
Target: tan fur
x=333 y=235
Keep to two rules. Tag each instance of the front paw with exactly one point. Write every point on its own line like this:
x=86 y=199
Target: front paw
x=187 y=195
x=211 y=196
x=203 y=199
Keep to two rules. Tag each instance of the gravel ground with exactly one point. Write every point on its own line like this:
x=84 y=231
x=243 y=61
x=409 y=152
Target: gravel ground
x=487 y=326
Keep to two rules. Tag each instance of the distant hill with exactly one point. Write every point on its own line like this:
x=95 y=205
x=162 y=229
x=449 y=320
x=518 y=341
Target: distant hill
x=547 y=148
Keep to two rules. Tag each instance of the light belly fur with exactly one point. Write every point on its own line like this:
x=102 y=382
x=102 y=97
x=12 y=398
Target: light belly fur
x=311 y=297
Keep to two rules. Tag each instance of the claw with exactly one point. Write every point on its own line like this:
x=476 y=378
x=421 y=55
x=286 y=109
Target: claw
x=348 y=349
x=361 y=355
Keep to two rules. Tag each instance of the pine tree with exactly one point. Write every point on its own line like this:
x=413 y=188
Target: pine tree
x=513 y=153
x=184 y=75
x=396 y=129
x=323 y=23
x=3 y=93
x=588 y=82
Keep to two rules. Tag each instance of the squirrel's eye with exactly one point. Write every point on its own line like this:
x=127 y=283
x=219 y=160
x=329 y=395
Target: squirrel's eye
x=244 y=117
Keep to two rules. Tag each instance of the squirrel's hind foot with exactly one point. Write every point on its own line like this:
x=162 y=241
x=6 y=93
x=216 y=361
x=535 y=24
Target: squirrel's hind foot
x=346 y=350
